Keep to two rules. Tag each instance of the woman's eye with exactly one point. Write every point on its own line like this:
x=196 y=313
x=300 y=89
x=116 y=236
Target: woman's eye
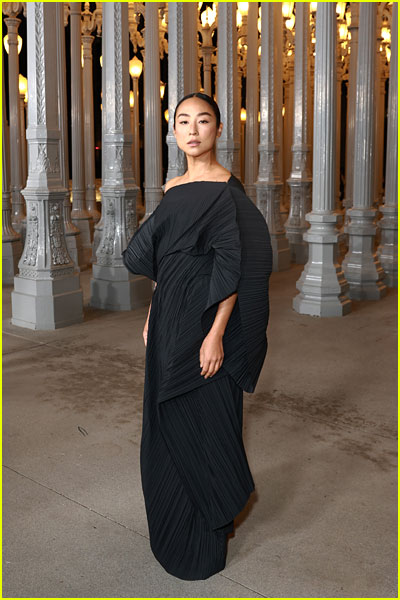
x=201 y=121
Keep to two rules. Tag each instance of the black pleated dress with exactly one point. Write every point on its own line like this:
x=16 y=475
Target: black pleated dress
x=205 y=241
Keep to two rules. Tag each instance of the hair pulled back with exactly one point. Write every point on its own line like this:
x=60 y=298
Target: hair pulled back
x=207 y=99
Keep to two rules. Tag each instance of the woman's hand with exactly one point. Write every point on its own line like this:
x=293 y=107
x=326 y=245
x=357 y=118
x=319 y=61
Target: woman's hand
x=211 y=354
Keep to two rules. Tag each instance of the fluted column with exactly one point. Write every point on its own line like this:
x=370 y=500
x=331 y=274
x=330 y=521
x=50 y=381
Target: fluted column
x=228 y=142
x=98 y=227
x=176 y=82
x=88 y=111
x=322 y=285
x=112 y=286
x=379 y=123
x=361 y=265
x=351 y=107
x=269 y=183
x=72 y=233
x=387 y=251
x=12 y=248
x=300 y=176
x=287 y=123
x=12 y=22
x=278 y=69
x=152 y=112
x=24 y=165
x=79 y=215
x=47 y=293
x=338 y=132
x=207 y=54
x=136 y=135
x=191 y=54
x=252 y=101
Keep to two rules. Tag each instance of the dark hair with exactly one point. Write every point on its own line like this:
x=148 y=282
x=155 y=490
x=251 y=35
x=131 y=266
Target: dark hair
x=207 y=99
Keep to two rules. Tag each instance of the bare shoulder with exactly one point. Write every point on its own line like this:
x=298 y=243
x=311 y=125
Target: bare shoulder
x=172 y=182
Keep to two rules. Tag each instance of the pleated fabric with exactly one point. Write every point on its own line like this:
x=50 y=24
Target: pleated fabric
x=205 y=241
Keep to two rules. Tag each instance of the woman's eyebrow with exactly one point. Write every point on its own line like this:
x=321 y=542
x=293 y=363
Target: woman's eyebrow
x=198 y=114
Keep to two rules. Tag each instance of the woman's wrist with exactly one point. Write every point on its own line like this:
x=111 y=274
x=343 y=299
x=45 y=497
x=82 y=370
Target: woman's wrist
x=216 y=332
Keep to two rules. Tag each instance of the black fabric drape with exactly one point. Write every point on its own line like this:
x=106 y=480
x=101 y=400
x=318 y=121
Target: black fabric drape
x=205 y=241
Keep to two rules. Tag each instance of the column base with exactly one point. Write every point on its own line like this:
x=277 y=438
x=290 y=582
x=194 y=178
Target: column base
x=20 y=227
x=113 y=288
x=280 y=252
x=317 y=303
x=361 y=265
x=98 y=231
x=85 y=226
x=368 y=292
x=322 y=285
x=387 y=250
x=47 y=304
x=299 y=252
x=74 y=246
x=11 y=253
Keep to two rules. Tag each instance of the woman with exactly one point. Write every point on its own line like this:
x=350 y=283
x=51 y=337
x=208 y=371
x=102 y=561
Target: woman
x=207 y=247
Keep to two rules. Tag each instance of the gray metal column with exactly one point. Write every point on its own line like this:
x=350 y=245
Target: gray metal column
x=287 y=123
x=152 y=112
x=112 y=286
x=191 y=58
x=88 y=26
x=300 y=177
x=18 y=211
x=351 y=107
x=47 y=292
x=322 y=285
x=252 y=101
x=24 y=157
x=269 y=182
x=361 y=265
x=12 y=247
x=79 y=215
x=387 y=251
x=380 y=80
x=176 y=82
x=229 y=141
x=72 y=233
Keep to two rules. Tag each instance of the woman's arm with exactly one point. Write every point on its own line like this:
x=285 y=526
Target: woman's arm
x=224 y=311
x=146 y=325
x=212 y=351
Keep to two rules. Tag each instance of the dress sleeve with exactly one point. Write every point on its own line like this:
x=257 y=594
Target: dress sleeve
x=139 y=256
x=224 y=239
x=242 y=264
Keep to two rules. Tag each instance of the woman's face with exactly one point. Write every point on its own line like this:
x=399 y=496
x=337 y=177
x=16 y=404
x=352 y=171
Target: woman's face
x=196 y=127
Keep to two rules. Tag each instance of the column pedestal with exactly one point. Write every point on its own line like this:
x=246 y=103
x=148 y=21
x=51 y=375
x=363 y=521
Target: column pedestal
x=268 y=202
x=47 y=304
x=387 y=251
x=11 y=252
x=112 y=287
x=361 y=265
x=322 y=285
x=296 y=225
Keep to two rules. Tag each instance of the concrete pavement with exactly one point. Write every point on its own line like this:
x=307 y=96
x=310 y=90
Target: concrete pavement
x=320 y=434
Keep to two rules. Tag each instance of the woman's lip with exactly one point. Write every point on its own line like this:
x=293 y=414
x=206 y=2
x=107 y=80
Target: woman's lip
x=193 y=143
